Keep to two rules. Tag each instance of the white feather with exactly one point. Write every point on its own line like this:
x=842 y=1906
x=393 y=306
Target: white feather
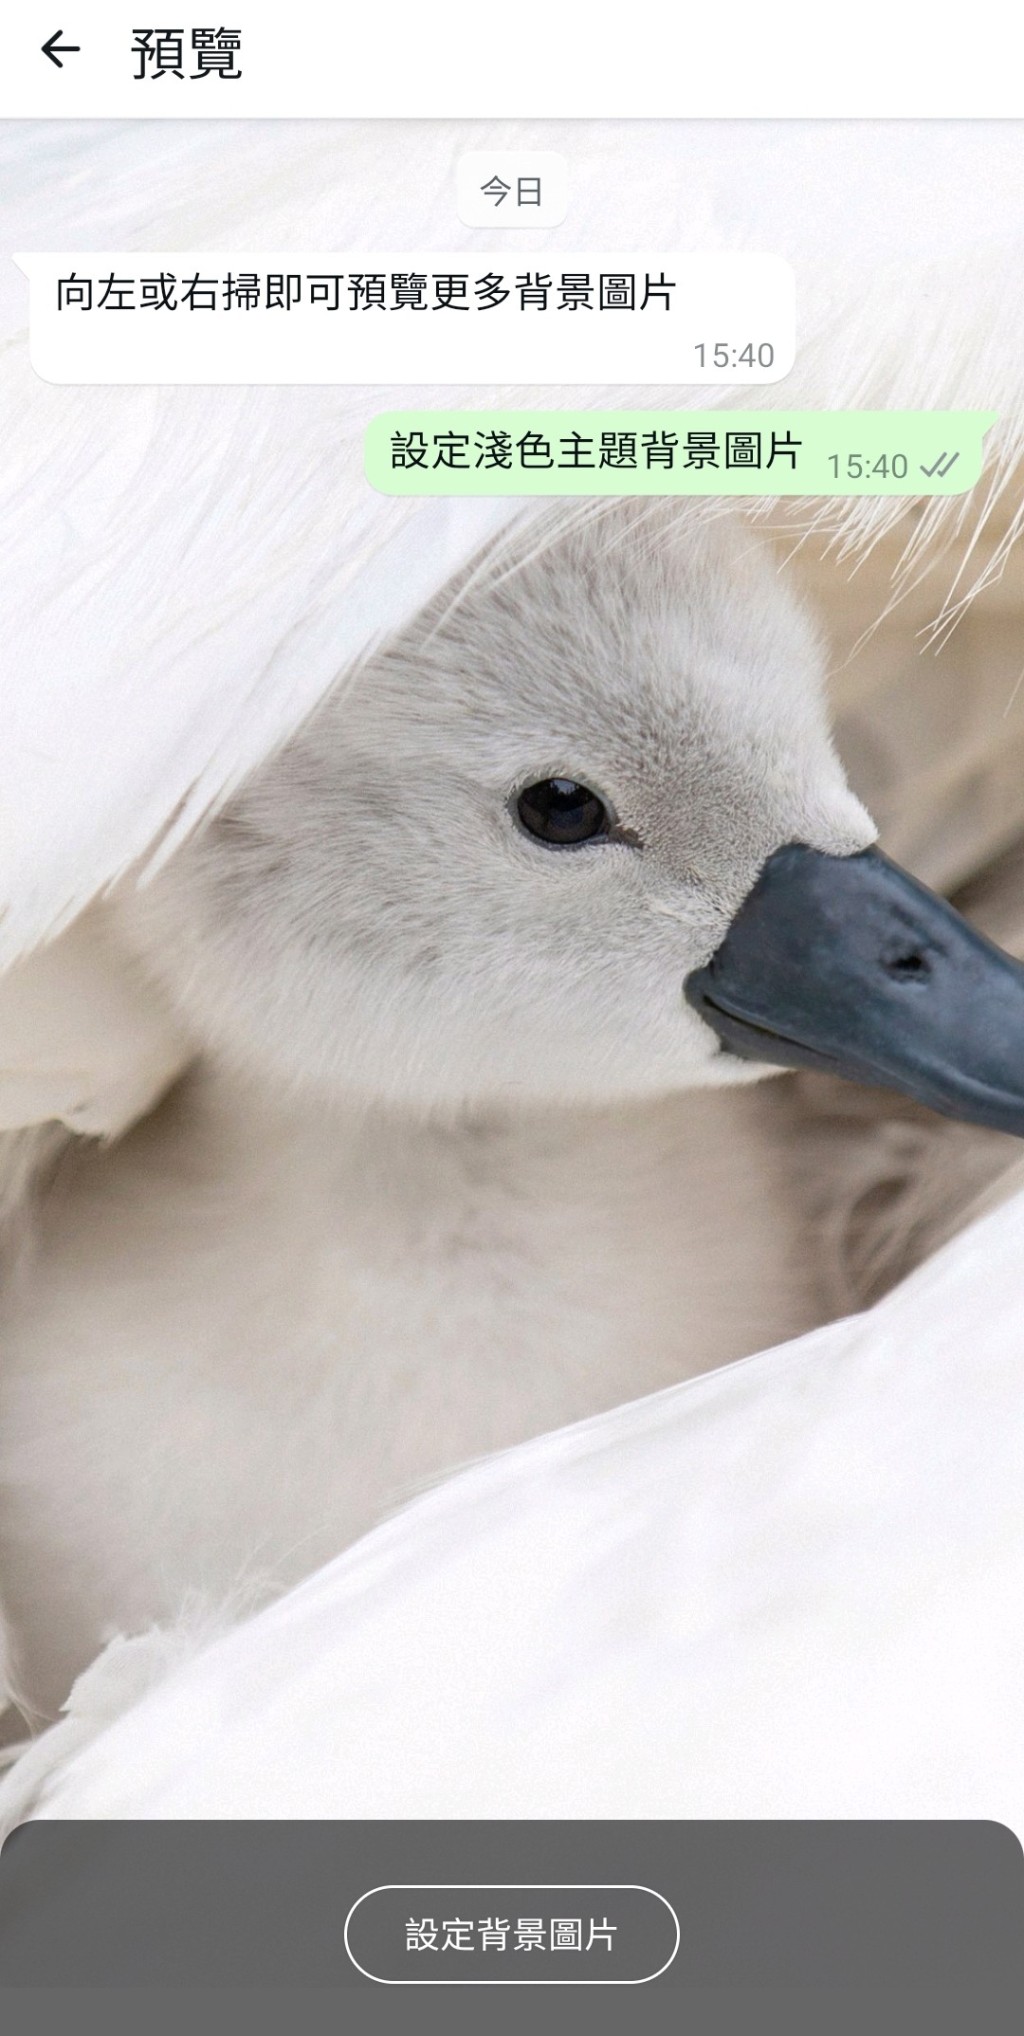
x=790 y=1589
x=186 y=571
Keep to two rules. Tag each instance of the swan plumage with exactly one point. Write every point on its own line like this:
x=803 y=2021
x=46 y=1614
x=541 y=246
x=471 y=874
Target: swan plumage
x=156 y=539
x=788 y=1589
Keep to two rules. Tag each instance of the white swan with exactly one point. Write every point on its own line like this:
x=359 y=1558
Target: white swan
x=216 y=1225
x=459 y=1162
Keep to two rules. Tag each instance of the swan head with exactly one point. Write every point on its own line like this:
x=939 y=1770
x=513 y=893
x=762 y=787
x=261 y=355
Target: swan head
x=504 y=861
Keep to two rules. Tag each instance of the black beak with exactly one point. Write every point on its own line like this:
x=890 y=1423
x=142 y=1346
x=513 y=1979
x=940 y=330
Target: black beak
x=847 y=964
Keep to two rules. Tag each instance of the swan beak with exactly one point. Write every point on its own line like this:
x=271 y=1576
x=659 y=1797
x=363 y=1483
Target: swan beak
x=847 y=964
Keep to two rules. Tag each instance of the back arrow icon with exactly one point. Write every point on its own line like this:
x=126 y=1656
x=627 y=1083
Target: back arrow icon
x=66 y=49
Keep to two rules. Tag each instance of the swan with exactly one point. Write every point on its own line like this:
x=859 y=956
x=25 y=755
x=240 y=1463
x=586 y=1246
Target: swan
x=295 y=1178
x=479 y=971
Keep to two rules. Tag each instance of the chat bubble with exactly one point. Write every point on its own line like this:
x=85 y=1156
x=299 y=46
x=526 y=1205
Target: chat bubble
x=408 y=318
x=676 y=452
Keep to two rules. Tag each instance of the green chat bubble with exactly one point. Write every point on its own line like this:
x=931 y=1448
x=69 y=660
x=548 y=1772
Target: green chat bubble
x=676 y=452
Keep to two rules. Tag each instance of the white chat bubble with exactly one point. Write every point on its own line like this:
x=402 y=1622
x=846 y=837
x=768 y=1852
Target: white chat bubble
x=409 y=318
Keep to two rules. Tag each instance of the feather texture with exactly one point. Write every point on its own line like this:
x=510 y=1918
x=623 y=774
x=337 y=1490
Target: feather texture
x=788 y=1589
x=186 y=571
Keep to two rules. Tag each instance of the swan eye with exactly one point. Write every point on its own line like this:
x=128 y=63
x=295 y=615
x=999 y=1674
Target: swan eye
x=561 y=813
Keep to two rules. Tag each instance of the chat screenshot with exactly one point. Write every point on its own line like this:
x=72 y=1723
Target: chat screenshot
x=511 y=1020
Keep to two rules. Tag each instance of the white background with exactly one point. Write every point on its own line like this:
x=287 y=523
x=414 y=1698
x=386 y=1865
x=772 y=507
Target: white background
x=533 y=58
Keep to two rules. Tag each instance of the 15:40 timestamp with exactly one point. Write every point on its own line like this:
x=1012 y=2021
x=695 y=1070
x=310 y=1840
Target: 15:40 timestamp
x=861 y=466
x=720 y=354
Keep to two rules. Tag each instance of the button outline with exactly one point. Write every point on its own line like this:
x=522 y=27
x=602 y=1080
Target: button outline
x=602 y=1886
